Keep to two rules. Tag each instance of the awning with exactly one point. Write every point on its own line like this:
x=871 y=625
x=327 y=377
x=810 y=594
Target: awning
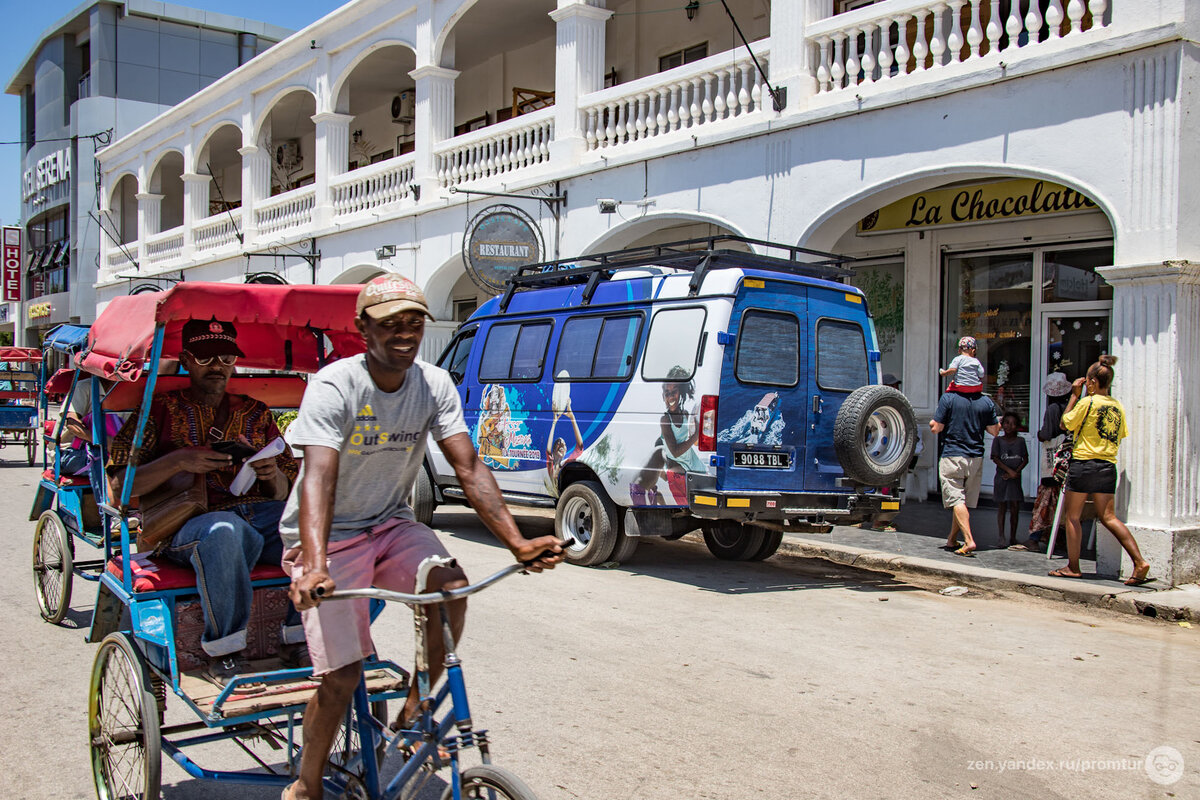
x=66 y=338
x=278 y=327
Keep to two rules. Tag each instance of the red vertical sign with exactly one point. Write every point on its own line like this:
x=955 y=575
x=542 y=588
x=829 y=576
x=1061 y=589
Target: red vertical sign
x=11 y=265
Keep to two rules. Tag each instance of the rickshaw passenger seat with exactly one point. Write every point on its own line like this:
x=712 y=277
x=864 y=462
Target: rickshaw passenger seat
x=152 y=574
x=67 y=480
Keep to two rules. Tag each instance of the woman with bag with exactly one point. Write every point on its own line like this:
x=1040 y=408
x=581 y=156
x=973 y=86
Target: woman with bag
x=1056 y=388
x=1098 y=425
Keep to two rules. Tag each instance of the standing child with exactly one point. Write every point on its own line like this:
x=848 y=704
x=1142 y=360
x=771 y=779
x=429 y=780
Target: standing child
x=1010 y=456
x=965 y=371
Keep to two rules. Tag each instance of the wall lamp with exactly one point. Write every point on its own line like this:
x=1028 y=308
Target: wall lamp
x=357 y=134
x=691 y=8
x=415 y=189
x=385 y=251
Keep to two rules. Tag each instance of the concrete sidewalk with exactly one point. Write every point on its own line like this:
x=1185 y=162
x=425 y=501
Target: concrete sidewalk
x=914 y=550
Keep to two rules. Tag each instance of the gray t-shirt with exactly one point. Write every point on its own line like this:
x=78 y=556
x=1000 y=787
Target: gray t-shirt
x=380 y=436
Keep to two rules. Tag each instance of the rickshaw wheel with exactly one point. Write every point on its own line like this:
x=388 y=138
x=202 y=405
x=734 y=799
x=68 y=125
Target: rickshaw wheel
x=491 y=782
x=31 y=451
x=123 y=723
x=346 y=744
x=53 y=566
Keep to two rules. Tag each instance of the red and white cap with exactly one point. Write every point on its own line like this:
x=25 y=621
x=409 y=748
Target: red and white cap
x=388 y=294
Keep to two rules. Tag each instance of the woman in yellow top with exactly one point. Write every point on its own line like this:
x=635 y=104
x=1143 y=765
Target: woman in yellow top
x=1098 y=423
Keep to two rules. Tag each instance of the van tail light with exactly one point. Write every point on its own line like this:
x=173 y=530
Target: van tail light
x=708 y=423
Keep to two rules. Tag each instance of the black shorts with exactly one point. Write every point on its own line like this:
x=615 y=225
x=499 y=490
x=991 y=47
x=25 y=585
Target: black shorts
x=1093 y=476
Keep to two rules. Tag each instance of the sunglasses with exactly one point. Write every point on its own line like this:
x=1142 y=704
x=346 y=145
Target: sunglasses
x=226 y=360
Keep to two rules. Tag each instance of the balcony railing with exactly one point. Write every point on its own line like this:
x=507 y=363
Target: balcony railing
x=121 y=255
x=85 y=85
x=372 y=187
x=216 y=231
x=713 y=89
x=505 y=147
x=880 y=42
x=288 y=210
x=163 y=246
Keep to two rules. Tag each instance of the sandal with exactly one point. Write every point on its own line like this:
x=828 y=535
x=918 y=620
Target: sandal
x=1062 y=572
x=1138 y=580
x=964 y=552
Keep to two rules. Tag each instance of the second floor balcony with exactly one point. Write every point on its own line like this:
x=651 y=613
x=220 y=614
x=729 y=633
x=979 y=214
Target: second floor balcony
x=375 y=112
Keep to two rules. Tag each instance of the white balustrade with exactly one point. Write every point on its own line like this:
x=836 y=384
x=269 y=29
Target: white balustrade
x=288 y=210
x=507 y=146
x=216 y=231
x=719 y=87
x=164 y=246
x=901 y=37
x=121 y=255
x=371 y=187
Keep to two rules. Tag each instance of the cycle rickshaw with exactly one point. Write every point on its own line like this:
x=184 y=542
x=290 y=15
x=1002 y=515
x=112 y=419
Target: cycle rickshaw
x=19 y=417
x=280 y=328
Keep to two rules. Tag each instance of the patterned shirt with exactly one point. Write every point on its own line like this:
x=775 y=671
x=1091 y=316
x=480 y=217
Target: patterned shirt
x=176 y=421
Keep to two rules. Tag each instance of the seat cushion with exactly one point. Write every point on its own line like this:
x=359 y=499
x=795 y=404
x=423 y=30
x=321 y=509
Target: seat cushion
x=67 y=480
x=159 y=574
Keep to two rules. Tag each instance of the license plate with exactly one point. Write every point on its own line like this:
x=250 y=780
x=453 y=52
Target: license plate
x=762 y=460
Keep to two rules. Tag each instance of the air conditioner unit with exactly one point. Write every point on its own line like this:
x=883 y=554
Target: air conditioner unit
x=287 y=154
x=404 y=106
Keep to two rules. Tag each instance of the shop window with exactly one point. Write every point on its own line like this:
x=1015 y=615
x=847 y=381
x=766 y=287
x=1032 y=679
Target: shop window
x=1069 y=276
x=841 y=356
x=514 y=352
x=768 y=348
x=990 y=297
x=674 y=343
x=883 y=284
x=597 y=348
x=685 y=56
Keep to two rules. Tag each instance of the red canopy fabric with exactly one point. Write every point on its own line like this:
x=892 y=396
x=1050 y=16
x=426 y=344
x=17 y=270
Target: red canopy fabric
x=278 y=327
x=60 y=382
x=22 y=355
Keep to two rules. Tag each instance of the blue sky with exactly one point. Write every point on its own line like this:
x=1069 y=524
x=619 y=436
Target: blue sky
x=26 y=22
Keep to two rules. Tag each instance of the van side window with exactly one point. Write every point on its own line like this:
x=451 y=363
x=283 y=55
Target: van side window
x=768 y=348
x=597 y=348
x=454 y=360
x=674 y=341
x=514 y=352
x=841 y=356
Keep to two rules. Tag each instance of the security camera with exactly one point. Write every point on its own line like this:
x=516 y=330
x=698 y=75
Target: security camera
x=607 y=206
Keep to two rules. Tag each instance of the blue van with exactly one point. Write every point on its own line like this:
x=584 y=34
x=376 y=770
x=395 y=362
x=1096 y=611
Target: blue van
x=653 y=391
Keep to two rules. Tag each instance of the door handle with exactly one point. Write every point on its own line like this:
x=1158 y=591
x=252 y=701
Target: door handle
x=467 y=396
x=816 y=404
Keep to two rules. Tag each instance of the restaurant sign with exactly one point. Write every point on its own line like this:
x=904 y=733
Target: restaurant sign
x=971 y=205
x=499 y=241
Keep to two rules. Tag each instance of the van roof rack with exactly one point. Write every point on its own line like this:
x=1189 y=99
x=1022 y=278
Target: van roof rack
x=697 y=255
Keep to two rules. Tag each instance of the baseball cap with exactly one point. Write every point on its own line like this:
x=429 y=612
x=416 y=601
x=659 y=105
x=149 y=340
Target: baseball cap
x=207 y=338
x=967 y=341
x=388 y=294
x=889 y=379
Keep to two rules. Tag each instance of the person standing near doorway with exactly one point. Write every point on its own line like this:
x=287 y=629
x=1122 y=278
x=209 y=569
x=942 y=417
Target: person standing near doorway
x=964 y=419
x=1056 y=387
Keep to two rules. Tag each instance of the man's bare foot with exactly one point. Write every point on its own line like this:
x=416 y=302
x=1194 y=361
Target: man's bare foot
x=1063 y=572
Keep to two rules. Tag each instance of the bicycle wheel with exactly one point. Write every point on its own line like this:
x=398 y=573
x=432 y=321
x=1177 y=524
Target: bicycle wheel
x=487 y=782
x=53 y=566
x=123 y=723
x=346 y=744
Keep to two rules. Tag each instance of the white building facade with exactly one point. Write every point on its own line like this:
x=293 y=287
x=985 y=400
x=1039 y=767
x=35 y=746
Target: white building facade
x=1015 y=171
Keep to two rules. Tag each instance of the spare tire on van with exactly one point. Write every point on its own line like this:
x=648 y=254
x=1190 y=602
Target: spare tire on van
x=875 y=435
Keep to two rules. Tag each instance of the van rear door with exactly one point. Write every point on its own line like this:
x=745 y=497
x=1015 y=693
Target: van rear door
x=839 y=329
x=762 y=413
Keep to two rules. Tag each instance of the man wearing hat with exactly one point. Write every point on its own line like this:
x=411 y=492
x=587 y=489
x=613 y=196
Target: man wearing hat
x=237 y=532
x=363 y=425
x=1057 y=389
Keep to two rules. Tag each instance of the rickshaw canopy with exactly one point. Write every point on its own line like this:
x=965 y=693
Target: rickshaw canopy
x=66 y=338
x=278 y=327
x=20 y=355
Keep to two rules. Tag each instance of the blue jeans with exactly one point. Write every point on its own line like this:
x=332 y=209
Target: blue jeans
x=222 y=547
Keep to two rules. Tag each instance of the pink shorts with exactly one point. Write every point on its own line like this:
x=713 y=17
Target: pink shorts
x=387 y=556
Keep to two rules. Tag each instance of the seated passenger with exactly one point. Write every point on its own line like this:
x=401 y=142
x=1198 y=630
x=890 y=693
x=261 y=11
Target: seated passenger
x=237 y=532
x=75 y=456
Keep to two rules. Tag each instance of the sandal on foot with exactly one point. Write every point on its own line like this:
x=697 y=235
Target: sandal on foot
x=964 y=552
x=1138 y=580
x=1062 y=572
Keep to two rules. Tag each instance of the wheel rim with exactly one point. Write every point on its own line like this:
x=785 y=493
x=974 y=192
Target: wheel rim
x=49 y=560
x=726 y=535
x=116 y=727
x=577 y=522
x=883 y=437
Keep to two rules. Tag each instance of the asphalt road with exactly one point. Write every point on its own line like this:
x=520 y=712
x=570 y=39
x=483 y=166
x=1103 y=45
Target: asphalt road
x=680 y=676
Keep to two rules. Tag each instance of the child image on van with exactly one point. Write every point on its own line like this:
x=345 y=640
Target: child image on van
x=675 y=451
x=556 y=449
x=493 y=422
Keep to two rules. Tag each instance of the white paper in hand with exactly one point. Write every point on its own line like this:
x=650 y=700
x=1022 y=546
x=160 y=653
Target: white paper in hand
x=245 y=477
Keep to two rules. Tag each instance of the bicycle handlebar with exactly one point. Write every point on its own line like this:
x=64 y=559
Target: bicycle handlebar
x=429 y=598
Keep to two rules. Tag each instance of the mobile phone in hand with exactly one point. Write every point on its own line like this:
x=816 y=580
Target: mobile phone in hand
x=239 y=451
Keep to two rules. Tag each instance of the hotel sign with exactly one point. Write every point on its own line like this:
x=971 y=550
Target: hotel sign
x=11 y=255
x=499 y=241
x=54 y=168
x=971 y=205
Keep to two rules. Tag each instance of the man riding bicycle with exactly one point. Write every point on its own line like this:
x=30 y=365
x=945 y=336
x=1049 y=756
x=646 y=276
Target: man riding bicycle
x=362 y=426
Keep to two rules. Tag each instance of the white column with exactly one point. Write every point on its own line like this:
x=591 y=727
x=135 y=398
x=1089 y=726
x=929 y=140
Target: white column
x=195 y=207
x=149 y=215
x=256 y=185
x=578 y=70
x=794 y=61
x=333 y=155
x=1155 y=335
x=434 y=121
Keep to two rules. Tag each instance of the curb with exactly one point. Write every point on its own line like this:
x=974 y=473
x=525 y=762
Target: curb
x=1180 y=604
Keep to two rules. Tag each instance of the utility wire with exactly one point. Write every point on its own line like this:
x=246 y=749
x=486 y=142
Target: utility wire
x=221 y=198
